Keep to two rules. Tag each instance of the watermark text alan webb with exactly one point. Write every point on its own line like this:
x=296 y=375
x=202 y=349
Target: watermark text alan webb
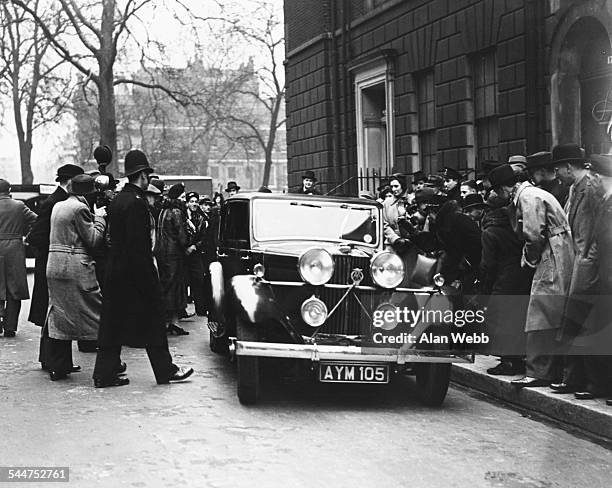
x=432 y=338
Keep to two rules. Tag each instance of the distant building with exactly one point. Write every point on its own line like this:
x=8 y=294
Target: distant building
x=401 y=85
x=190 y=141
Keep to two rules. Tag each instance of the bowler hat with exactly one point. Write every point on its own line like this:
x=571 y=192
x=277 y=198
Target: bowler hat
x=451 y=174
x=68 y=171
x=192 y=194
x=159 y=184
x=474 y=200
x=502 y=175
x=310 y=175
x=568 y=153
x=176 y=190
x=539 y=160
x=103 y=154
x=232 y=185
x=5 y=186
x=82 y=185
x=601 y=164
x=135 y=162
x=153 y=190
x=205 y=199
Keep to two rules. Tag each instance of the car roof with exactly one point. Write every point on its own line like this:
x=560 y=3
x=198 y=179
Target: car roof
x=299 y=196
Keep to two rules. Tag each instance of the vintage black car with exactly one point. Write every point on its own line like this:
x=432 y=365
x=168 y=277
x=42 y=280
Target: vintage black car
x=308 y=277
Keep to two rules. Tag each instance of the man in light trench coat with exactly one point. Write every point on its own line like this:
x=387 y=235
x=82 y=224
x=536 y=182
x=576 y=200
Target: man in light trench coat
x=548 y=248
x=15 y=221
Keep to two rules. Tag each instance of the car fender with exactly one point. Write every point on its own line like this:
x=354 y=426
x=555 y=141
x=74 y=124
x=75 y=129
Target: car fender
x=217 y=286
x=255 y=301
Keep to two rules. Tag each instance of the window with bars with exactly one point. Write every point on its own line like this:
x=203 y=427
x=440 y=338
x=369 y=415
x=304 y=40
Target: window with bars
x=427 y=126
x=484 y=72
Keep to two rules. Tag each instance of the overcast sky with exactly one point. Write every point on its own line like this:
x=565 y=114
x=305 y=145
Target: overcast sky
x=53 y=145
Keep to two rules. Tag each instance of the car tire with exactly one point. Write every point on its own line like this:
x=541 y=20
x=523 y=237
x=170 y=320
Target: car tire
x=433 y=380
x=218 y=345
x=248 y=366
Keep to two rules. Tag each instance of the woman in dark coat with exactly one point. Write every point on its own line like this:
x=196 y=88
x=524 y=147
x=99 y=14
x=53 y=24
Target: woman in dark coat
x=170 y=249
x=508 y=286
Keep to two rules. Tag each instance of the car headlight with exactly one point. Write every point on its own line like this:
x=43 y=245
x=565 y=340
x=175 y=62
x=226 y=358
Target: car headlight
x=439 y=280
x=316 y=266
x=314 y=312
x=387 y=269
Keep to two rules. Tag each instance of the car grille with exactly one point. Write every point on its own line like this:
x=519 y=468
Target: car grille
x=343 y=265
x=346 y=319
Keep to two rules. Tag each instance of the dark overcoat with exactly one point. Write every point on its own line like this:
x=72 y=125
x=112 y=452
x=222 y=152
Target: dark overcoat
x=39 y=239
x=170 y=246
x=132 y=314
x=459 y=237
x=582 y=209
x=15 y=221
x=504 y=284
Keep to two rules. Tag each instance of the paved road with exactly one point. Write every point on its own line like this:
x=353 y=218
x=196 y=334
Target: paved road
x=197 y=434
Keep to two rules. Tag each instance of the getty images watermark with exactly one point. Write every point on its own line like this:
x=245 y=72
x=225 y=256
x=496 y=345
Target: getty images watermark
x=412 y=326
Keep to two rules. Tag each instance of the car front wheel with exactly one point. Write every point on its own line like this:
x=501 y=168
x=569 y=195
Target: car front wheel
x=433 y=380
x=248 y=366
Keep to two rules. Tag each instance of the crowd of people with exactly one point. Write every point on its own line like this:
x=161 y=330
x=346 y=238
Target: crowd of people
x=116 y=268
x=532 y=240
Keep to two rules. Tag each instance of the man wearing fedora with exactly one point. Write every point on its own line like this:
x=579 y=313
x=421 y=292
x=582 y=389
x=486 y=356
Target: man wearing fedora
x=309 y=180
x=474 y=207
x=598 y=357
x=15 y=222
x=541 y=169
x=232 y=188
x=39 y=240
x=581 y=208
x=132 y=313
x=548 y=249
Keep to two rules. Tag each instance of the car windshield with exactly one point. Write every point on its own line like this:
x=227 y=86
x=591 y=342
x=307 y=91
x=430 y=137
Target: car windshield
x=316 y=220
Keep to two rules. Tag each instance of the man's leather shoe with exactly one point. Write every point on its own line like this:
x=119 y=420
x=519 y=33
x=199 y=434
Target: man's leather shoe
x=98 y=383
x=122 y=368
x=55 y=375
x=609 y=402
x=505 y=368
x=180 y=375
x=75 y=369
x=529 y=382
x=562 y=388
x=9 y=333
x=588 y=395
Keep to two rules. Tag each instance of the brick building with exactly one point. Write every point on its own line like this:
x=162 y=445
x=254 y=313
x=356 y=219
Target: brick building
x=401 y=85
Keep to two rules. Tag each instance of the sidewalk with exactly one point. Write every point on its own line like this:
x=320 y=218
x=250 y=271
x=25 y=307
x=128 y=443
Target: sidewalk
x=593 y=416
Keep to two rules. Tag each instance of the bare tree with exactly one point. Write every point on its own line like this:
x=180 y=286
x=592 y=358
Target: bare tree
x=260 y=115
x=102 y=28
x=30 y=76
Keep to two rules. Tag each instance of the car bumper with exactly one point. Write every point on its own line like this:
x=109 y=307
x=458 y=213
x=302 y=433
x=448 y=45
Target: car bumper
x=316 y=352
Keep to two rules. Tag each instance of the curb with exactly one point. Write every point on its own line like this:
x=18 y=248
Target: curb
x=592 y=416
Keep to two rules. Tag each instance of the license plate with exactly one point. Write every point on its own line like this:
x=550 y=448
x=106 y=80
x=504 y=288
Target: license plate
x=353 y=373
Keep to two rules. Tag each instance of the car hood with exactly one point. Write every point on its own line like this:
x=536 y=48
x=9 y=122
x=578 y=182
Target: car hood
x=296 y=248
